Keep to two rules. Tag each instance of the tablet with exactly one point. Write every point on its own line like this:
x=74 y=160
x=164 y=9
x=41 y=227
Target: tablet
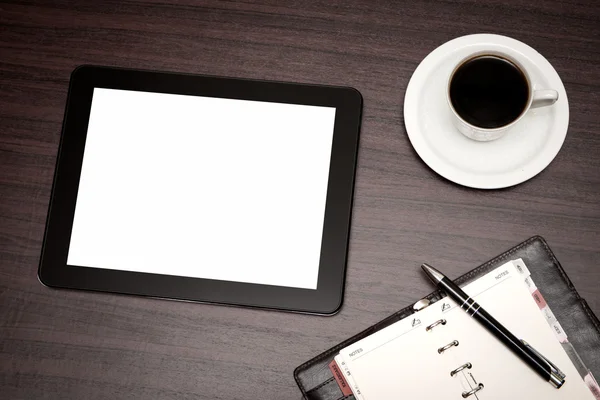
x=204 y=189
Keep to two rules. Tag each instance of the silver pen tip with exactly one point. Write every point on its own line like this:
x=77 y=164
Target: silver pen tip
x=557 y=378
x=433 y=274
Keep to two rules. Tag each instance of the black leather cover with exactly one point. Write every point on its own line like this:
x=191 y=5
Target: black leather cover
x=579 y=322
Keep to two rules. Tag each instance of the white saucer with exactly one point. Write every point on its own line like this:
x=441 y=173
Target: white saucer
x=523 y=152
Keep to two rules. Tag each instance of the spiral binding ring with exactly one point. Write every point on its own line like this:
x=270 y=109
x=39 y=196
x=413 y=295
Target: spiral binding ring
x=470 y=392
x=439 y=321
x=457 y=370
x=446 y=347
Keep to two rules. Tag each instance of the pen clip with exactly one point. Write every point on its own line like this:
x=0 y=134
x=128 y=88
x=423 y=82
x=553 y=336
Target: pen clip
x=557 y=377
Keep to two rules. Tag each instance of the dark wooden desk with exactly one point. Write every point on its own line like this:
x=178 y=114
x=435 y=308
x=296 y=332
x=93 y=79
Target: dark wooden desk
x=77 y=345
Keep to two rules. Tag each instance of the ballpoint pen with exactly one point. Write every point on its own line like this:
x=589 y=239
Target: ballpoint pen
x=522 y=349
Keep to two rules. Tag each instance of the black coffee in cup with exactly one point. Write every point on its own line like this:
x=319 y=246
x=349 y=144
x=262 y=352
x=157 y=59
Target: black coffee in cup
x=489 y=91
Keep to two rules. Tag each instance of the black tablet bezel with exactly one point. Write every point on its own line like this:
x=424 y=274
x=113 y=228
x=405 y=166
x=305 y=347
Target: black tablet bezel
x=326 y=299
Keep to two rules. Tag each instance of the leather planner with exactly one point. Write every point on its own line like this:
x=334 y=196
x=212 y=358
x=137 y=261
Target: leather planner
x=582 y=328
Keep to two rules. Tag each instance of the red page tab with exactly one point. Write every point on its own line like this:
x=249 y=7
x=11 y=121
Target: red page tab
x=339 y=378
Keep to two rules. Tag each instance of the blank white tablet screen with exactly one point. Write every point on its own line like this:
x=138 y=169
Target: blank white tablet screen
x=203 y=187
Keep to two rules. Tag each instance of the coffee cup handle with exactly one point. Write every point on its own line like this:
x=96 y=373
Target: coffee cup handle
x=542 y=98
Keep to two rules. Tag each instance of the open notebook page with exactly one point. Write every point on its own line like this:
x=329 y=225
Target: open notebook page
x=402 y=360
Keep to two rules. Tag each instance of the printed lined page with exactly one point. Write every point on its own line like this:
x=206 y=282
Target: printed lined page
x=403 y=360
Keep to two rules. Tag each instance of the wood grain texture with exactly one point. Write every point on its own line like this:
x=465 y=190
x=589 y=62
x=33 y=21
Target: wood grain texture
x=73 y=345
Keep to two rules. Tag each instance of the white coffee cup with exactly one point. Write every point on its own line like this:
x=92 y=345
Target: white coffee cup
x=537 y=98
